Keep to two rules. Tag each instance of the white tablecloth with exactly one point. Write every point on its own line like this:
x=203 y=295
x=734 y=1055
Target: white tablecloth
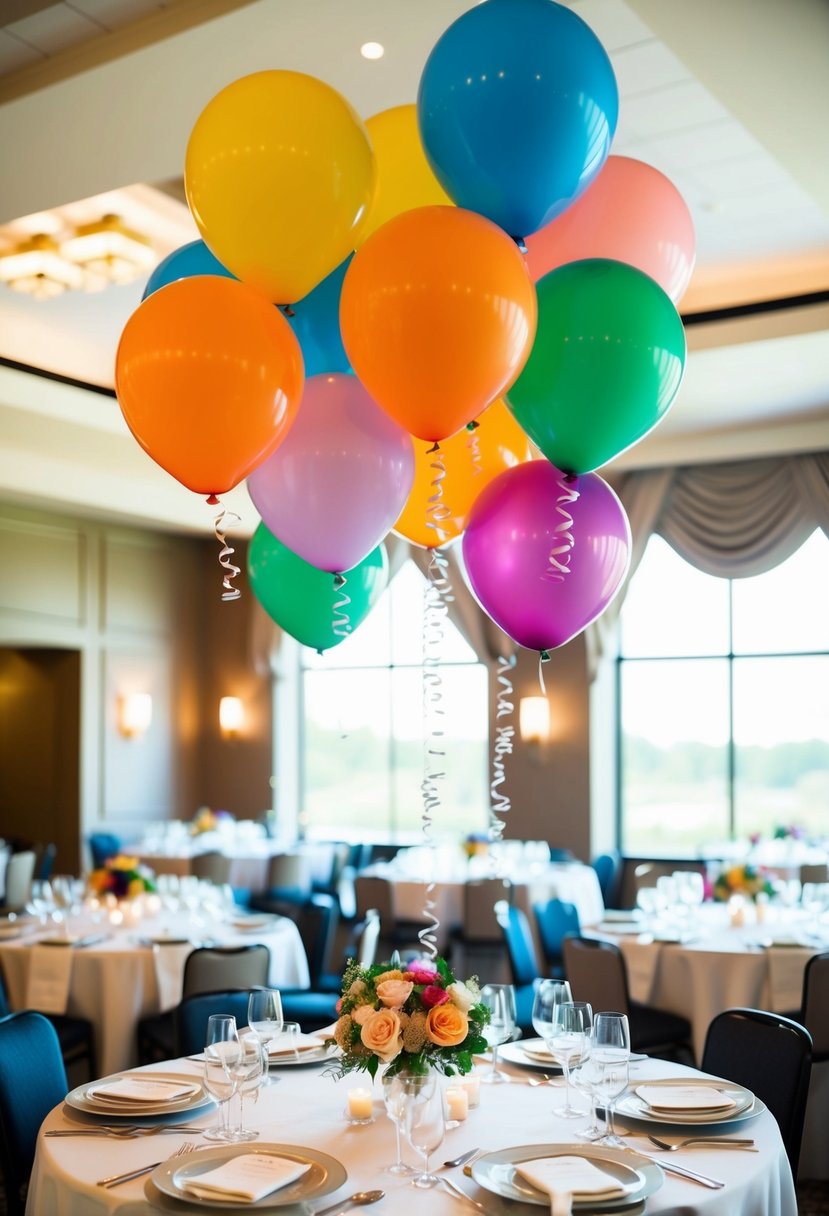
x=306 y=1108
x=113 y=983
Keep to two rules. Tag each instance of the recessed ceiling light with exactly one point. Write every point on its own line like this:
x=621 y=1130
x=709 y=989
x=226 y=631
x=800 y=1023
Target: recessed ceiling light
x=372 y=50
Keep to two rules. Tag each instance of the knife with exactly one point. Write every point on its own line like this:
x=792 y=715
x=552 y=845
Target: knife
x=668 y=1166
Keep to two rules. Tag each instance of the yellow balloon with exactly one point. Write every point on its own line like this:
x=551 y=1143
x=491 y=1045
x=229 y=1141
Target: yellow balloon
x=280 y=176
x=404 y=176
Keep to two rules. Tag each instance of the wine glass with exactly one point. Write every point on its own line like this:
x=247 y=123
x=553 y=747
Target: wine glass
x=265 y=1019
x=424 y=1122
x=500 y=1001
x=571 y=1025
x=221 y=1053
x=394 y=1099
x=548 y=995
x=247 y=1072
x=611 y=1052
x=584 y=1075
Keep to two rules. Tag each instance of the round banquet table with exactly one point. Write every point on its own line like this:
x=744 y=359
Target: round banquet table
x=307 y=1107
x=115 y=981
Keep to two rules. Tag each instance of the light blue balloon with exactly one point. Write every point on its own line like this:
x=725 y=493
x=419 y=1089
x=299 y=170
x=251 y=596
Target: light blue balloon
x=517 y=108
x=316 y=323
x=185 y=263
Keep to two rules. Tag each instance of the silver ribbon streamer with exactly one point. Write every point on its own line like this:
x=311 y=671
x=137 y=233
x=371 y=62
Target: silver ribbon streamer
x=342 y=621
x=561 y=552
x=226 y=519
x=500 y=803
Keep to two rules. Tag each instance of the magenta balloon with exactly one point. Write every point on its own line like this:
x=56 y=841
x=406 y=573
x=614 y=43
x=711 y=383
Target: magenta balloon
x=546 y=553
x=340 y=478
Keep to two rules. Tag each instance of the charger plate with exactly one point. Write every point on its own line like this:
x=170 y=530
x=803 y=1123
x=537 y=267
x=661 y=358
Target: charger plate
x=524 y=1056
x=80 y=1099
x=325 y=1175
x=497 y=1172
x=631 y=1106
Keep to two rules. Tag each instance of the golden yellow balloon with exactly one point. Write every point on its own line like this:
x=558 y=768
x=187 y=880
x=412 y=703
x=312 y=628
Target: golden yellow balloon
x=280 y=176
x=404 y=176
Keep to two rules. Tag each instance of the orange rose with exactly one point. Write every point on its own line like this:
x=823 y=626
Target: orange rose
x=381 y=1034
x=446 y=1025
x=393 y=993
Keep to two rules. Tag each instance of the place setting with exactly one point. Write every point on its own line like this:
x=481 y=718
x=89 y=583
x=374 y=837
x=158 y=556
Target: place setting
x=138 y=1096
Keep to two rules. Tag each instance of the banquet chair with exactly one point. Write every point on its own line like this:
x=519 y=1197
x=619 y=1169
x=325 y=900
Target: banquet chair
x=102 y=846
x=211 y=867
x=597 y=973
x=45 y=855
x=19 y=874
x=554 y=920
x=479 y=936
x=523 y=960
x=32 y=1081
x=191 y=1015
x=374 y=892
x=287 y=886
x=75 y=1035
x=814 y=872
x=814 y=1007
x=772 y=1056
x=608 y=867
x=206 y=969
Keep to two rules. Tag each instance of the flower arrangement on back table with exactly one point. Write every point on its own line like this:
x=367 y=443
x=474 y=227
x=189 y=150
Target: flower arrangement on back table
x=123 y=877
x=415 y=1017
x=742 y=879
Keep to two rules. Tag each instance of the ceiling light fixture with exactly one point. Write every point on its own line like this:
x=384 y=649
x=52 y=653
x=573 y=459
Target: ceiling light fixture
x=109 y=250
x=372 y=50
x=37 y=268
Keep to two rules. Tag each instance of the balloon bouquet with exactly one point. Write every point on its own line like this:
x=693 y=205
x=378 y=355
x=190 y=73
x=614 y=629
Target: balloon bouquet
x=441 y=287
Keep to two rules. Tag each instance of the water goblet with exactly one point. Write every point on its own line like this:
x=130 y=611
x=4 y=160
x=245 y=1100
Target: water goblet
x=221 y=1053
x=424 y=1122
x=394 y=1100
x=571 y=1025
x=265 y=1019
x=548 y=995
x=500 y=1001
x=248 y=1071
x=584 y=1076
x=611 y=1052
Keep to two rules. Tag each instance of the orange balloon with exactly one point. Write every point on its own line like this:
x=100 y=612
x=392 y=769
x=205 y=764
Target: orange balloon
x=209 y=376
x=438 y=317
x=472 y=460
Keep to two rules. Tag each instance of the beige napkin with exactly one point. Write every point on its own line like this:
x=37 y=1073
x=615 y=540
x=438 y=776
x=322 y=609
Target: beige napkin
x=168 y=961
x=142 y=1092
x=568 y=1178
x=244 y=1179
x=684 y=1097
x=50 y=971
x=786 y=966
x=288 y=1044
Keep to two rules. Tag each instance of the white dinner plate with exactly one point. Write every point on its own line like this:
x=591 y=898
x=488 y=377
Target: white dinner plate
x=325 y=1175
x=248 y=924
x=496 y=1172
x=746 y=1105
x=80 y=1098
x=514 y=1053
x=313 y=1055
x=16 y=928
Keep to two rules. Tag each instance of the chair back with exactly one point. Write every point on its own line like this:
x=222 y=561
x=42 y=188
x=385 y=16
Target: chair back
x=212 y=867
x=518 y=939
x=608 y=871
x=373 y=891
x=368 y=939
x=19 y=874
x=211 y=968
x=318 y=929
x=555 y=919
x=32 y=1081
x=5 y=854
x=190 y=1017
x=479 y=899
x=645 y=875
x=102 y=846
x=814 y=872
x=45 y=855
x=596 y=973
x=772 y=1056
x=814 y=1014
x=289 y=876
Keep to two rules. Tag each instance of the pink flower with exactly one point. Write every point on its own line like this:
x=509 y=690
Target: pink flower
x=394 y=993
x=422 y=973
x=434 y=996
x=339 y=1005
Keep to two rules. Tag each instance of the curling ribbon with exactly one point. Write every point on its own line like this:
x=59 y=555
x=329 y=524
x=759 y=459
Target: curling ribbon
x=504 y=734
x=225 y=519
x=561 y=552
x=473 y=445
x=342 y=622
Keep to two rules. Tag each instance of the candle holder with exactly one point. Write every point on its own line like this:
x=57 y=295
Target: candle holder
x=359 y=1108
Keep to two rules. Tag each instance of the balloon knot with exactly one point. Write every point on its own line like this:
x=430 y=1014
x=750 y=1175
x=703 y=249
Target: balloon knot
x=339 y=580
x=434 y=448
x=521 y=243
x=545 y=656
x=212 y=501
x=473 y=425
x=286 y=309
x=571 y=477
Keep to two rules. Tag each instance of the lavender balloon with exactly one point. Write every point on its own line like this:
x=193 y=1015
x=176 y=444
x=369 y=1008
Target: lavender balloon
x=546 y=552
x=334 y=487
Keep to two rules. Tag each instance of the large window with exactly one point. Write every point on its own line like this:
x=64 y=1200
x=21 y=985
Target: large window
x=723 y=702
x=363 y=746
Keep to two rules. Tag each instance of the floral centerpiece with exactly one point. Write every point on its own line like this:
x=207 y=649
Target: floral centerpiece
x=412 y=1018
x=123 y=877
x=743 y=879
x=476 y=844
x=207 y=820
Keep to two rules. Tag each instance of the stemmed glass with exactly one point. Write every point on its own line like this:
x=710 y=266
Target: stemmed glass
x=265 y=1019
x=584 y=1075
x=394 y=1099
x=500 y=1001
x=424 y=1122
x=568 y=1039
x=548 y=995
x=248 y=1073
x=611 y=1053
x=222 y=1053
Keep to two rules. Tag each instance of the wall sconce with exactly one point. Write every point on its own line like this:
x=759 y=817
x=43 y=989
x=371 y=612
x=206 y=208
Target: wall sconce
x=231 y=716
x=135 y=713
x=534 y=721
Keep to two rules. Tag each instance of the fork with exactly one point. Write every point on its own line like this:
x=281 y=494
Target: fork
x=718 y=1140
x=116 y=1179
x=542 y=1080
x=459 y=1193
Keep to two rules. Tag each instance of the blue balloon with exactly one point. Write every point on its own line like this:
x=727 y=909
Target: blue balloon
x=185 y=263
x=316 y=323
x=517 y=108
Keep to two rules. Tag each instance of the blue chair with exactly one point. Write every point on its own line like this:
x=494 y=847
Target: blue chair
x=523 y=960
x=32 y=1081
x=315 y=1007
x=102 y=846
x=190 y=1017
x=608 y=871
x=555 y=919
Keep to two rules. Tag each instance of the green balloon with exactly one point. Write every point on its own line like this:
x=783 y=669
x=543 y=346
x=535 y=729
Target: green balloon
x=303 y=600
x=606 y=363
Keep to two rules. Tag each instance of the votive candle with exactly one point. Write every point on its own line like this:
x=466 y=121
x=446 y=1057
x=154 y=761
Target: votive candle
x=457 y=1103
x=472 y=1086
x=360 y=1104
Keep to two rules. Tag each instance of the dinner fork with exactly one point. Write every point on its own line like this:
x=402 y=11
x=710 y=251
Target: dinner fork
x=714 y=1140
x=117 y=1179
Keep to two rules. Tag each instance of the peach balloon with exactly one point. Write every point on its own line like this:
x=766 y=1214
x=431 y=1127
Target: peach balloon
x=438 y=316
x=631 y=213
x=472 y=459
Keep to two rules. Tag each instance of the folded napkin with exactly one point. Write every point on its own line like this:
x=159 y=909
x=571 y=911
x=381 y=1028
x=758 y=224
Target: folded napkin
x=684 y=1097
x=47 y=986
x=142 y=1092
x=245 y=1179
x=168 y=961
x=786 y=965
x=288 y=1044
x=568 y=1178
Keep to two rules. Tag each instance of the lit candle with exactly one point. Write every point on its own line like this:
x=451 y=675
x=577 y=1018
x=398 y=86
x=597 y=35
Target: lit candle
x=457 y=1103
x=360 y=1104
x=472 y=1086
x=737 y=911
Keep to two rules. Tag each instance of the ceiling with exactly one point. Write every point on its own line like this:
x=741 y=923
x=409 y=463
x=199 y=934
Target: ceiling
x=97 y=98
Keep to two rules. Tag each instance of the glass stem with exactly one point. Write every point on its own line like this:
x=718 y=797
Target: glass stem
x=399 y=1160
x=611 y=1130
x=565 y=1068
x=594 y=1118
x=494 y=1071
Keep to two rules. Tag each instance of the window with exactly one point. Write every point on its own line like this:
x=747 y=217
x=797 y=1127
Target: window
x=723 y=690
x=363 y=752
